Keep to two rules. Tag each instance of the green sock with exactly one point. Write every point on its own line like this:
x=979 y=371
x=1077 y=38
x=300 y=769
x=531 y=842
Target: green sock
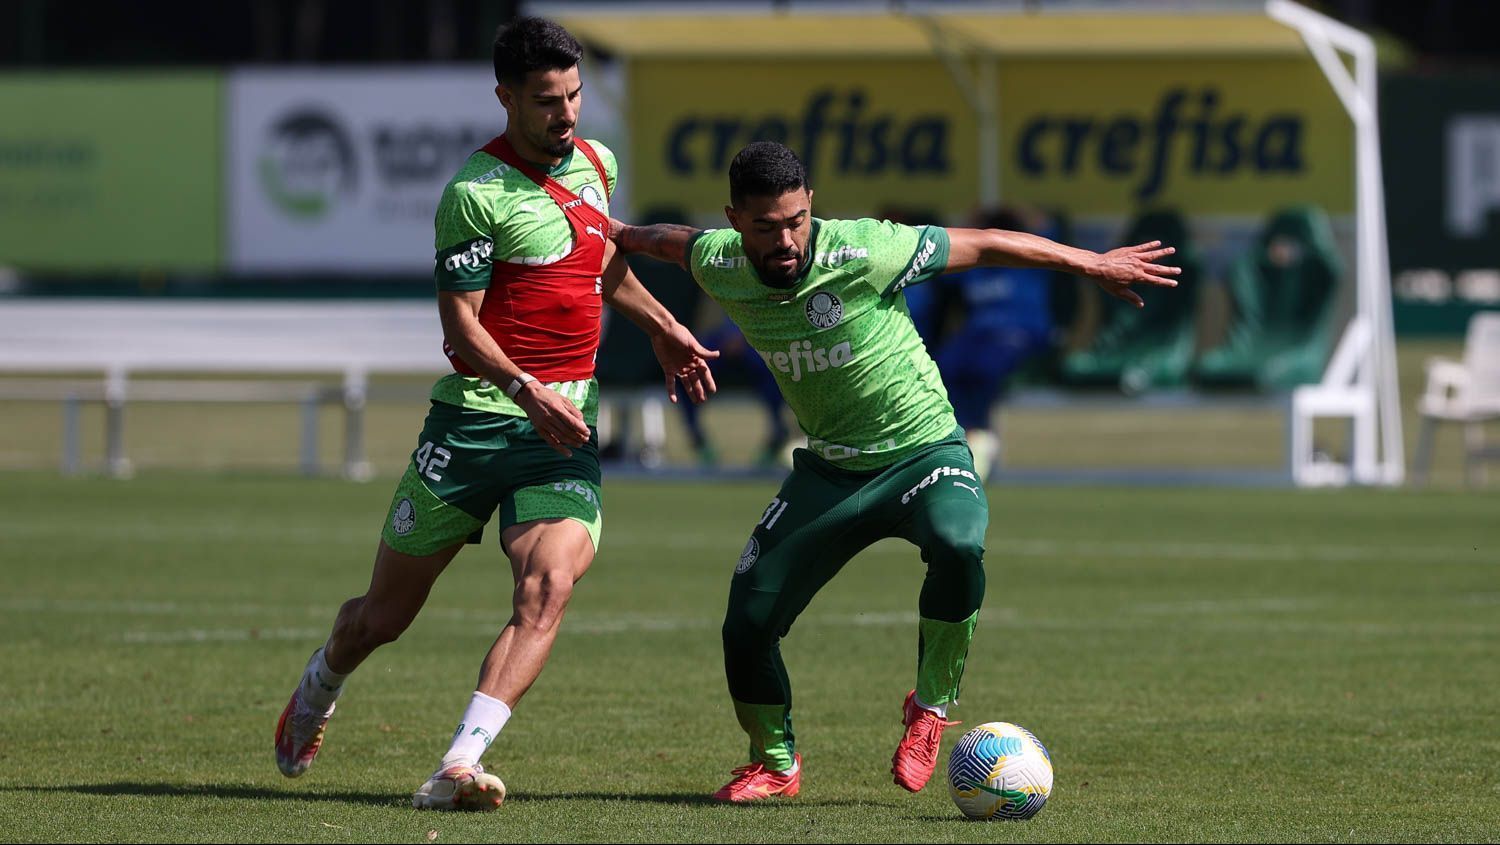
x=770 y=730
x=940 y=661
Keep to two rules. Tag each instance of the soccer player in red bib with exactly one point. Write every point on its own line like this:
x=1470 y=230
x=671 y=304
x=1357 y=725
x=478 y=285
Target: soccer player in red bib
x=523 y=269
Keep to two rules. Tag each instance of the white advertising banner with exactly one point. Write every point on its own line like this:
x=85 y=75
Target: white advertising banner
x=340 y=171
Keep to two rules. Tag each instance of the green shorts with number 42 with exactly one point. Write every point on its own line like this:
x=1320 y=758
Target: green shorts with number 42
x=469 y=464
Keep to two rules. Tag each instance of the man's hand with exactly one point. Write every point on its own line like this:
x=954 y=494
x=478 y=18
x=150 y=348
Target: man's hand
x=1114 y=271
x=682 y=357
x=557 y=421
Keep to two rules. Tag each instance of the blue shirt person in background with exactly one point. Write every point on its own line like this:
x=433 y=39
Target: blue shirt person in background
x=1006 y=319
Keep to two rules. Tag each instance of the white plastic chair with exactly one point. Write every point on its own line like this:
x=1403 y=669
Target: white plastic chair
x=1466 y=392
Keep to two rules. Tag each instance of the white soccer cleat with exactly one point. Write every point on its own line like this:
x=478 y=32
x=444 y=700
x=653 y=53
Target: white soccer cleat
x=460 y=788
x=299 y=735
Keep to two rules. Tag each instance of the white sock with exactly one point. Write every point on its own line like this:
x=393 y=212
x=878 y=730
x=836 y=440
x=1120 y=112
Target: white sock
x=940 y=709
x=320 y=685
x=482 y=723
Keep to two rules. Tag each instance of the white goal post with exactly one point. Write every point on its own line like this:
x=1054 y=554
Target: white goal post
x=1360 y=380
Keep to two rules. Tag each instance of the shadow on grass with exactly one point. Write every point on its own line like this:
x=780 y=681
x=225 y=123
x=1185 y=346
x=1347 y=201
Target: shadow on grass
x=694 y=798
x=218 y=790
x=386 y=799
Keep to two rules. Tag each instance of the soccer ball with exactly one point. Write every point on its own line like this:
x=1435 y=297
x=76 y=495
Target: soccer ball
x=999 y=771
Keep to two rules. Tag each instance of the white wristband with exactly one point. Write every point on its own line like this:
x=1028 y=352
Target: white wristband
x=519 y=382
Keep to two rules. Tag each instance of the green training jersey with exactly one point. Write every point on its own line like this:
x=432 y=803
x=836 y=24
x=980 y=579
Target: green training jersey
x=492 y=212
x=840 y=340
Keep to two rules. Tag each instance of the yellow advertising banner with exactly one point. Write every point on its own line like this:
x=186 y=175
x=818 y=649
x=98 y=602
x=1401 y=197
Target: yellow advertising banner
x=873 y=134
x=1208 y=136
x=1107 y=136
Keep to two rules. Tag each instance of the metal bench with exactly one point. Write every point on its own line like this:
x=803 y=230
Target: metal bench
x=117 y=351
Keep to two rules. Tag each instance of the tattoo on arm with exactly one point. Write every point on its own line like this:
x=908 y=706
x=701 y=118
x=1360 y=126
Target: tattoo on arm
x=664 y=241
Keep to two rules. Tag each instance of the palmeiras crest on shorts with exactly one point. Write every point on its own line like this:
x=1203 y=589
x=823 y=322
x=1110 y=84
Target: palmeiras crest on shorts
x=591 y=195
x=824 y=310
x=748 y=556
x=404 y=517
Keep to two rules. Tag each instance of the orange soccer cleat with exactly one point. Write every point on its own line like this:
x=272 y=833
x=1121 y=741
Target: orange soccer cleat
x=754 y=783
x=917 y=755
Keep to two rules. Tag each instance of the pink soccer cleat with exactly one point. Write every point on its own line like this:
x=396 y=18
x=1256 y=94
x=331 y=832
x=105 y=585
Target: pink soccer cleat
x=917 y=755
x=754 y=783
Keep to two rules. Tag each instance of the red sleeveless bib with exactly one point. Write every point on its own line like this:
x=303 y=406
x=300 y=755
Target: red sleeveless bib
x=547 y=318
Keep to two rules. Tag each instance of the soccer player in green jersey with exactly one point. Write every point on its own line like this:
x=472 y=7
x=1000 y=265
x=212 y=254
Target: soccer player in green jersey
x=821 y=301
x=523 y=268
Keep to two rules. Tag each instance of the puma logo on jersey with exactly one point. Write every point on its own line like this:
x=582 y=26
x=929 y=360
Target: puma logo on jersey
x=594 y=230
x=941 y=472
x=974 y=490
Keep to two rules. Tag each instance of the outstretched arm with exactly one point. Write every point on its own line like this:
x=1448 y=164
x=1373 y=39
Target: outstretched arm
x=1114 y=271
x=663 y=241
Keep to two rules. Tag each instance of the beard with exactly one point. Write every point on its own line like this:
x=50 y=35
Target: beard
x=553 y=148
x=557 y=149
x=779 y=276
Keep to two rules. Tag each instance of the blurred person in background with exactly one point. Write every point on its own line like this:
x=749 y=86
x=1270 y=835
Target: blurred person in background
x=523 y=268
x=1005 y=320
x=822 y=301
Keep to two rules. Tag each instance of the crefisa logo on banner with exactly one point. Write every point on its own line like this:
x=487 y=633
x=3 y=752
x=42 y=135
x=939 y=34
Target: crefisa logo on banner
x=308 y=163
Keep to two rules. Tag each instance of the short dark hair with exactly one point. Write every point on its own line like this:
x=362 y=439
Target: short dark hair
x=765 y=169
x=529 y=44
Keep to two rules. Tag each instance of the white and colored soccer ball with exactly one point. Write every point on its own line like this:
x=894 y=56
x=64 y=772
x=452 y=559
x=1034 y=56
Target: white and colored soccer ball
x=999 y=771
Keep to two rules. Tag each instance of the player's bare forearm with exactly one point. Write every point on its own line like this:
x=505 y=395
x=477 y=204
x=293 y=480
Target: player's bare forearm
x=678 y=352
x=662 y=241
x=459 y=313
x=1114 y=271
x=970 y=248
x=557 y=420
x=632 y=299
x=625 y=293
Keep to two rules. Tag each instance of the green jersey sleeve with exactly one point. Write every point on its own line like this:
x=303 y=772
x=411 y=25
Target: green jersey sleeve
x=714 y=248
x=900 y=255
x=464 y=239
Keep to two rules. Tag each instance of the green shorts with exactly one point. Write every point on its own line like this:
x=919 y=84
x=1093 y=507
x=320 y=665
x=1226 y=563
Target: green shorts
x=468 y=464
x=824 y=515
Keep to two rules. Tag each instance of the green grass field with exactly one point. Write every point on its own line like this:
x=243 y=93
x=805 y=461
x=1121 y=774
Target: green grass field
x=1204 y=665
